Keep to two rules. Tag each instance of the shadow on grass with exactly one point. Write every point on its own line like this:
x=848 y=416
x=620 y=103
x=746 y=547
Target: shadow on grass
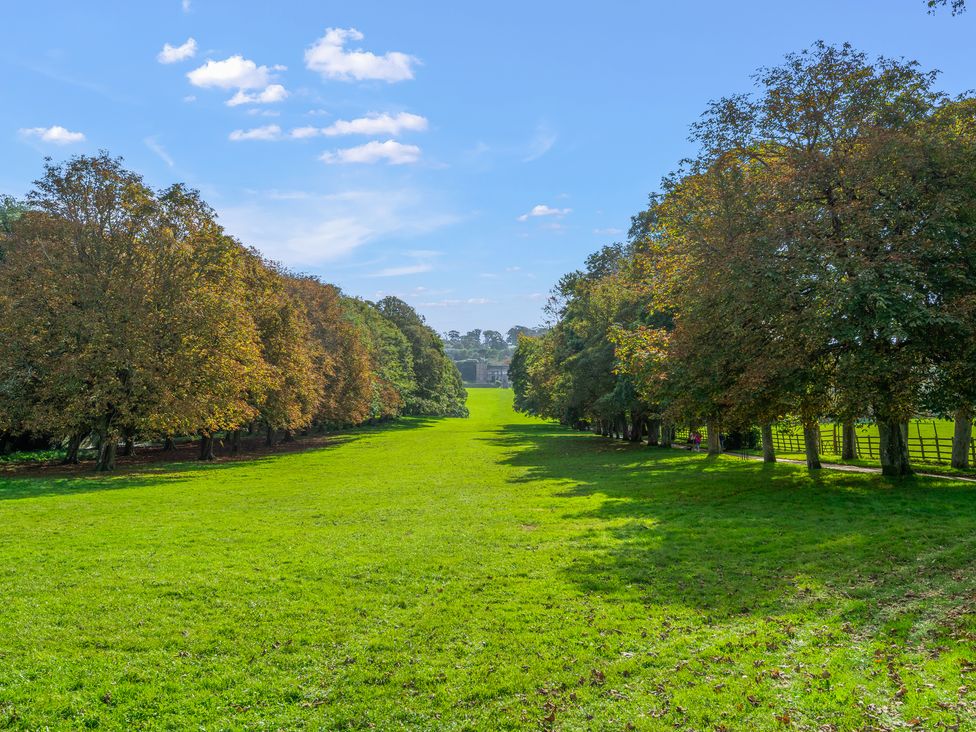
x=731 y=537
x=153 y=467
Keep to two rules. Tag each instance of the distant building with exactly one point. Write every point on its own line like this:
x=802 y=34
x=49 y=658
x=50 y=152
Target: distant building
x=489 y=372
x=498 y=372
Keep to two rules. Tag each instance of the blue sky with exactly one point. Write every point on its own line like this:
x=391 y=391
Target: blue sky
x=462 y=156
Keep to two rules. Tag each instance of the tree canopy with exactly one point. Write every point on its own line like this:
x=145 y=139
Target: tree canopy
x=129 y=312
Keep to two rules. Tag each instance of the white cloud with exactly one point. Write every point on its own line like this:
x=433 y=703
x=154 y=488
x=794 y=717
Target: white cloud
x=153 y=144
x=371 y=124
x=303 y=133
x=405 y=270
x=268 y=132
x=377 y=124
x=56 y=134
x=172 y=54
x=186 y=6
x=328 y=57
x=543 y=210
x=271 y=94
x=609 y=231
x=235 y=72
x=374 y=151
x=189 y=98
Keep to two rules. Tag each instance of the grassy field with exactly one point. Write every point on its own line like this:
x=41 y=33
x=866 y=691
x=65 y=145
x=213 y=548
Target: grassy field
x=490 y=573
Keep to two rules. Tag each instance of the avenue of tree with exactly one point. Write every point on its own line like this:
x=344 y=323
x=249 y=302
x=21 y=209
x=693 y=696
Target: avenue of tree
x=815 y=260
x=129 y=314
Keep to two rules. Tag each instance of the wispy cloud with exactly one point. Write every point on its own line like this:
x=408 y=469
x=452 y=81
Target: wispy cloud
x=455 y=302
x=306 y=229
x=153 y=144
x=540 y=144
x=408 y=269
x=329 y=57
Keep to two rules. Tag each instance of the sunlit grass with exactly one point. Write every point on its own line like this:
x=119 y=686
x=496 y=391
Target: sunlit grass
x=490 y=573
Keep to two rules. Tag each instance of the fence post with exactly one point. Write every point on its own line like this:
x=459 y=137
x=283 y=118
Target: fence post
x=921 y=442
x=938 y=451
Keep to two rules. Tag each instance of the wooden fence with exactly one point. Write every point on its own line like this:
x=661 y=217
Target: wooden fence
x=925 y=449
x=922 y=448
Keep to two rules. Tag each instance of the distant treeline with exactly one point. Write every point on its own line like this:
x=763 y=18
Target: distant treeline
x=490 y=345
x=814 y=261
x=129 y=314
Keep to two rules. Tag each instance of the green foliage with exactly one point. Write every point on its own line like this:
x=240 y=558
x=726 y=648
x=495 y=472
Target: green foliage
x=571 y=579
x=439 y=389
x=957 y=6
x=390 y=355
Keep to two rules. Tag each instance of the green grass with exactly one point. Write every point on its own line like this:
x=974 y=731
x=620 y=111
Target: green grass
x=490 y=573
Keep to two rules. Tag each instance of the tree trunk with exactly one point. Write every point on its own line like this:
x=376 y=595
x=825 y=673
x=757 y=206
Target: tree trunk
x=811 y=443
x=169 y=445
x=667 y=434
x=653 y=432
x=769 y=452
x=106 y=454
x=235 y=442
x=893 y=445
x=127 y=447
x=962 y=437
x=848 y=439
x=288 y=436
x=269 y=437
x=71 y=455
x=636 y=426
x=206 y=447
x=714 y=437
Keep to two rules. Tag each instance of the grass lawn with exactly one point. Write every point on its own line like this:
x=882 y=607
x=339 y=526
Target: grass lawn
x=490 y=573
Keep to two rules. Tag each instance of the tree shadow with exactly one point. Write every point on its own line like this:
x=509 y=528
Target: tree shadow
x=731 y=537
x=151 y=466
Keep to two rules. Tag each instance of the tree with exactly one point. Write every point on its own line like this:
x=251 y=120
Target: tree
x=439 y=389
x=957 y=6
x=134 y=307
x=494 y=340
x=844 y=130
x=291 y=355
